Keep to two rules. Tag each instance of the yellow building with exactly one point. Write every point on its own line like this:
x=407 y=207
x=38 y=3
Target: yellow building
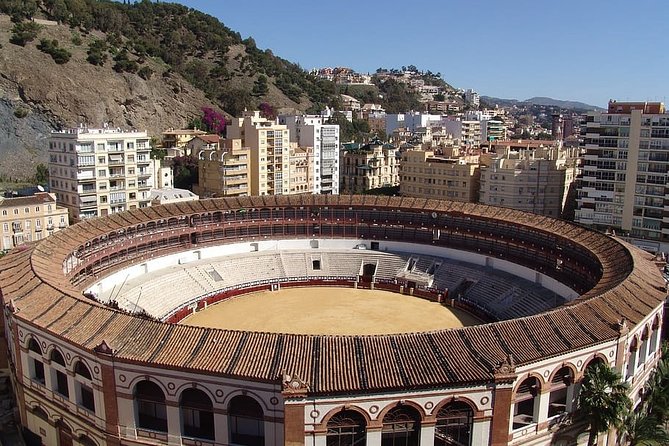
x=426 y=175
x=369 y=167
x=175 y=140
x=224 y=172
x=27 y=219
x=269 y=146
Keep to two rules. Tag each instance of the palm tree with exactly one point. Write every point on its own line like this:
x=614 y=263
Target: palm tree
x=642 y=429
x=603 y=400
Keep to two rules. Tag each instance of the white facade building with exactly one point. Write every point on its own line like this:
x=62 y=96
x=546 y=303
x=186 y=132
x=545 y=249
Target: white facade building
x=411 y=121
x=96 y=172
x=309 y=131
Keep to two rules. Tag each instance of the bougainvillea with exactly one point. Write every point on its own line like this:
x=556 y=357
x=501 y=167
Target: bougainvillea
x=213 y=120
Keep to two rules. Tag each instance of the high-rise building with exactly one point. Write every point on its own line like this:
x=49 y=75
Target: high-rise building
x=310 y=131
x=268 y=144
x=96 y=172
x=625 y=172
x=31 y=218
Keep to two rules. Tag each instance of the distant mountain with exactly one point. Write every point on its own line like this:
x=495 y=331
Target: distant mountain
x=539 y=100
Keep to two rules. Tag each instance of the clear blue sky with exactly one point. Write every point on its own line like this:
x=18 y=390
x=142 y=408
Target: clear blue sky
x=586 y=50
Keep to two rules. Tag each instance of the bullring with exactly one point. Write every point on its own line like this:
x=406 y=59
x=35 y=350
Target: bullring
x=89 y=369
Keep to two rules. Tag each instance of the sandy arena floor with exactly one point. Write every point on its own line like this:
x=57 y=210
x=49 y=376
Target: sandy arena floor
x=322 y=310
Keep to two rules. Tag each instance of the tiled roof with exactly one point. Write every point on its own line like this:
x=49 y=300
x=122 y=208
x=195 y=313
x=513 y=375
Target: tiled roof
x=33 y=278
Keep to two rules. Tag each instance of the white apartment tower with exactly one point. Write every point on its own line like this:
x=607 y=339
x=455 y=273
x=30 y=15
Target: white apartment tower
x=96 y=172
x=269 y=146
x=625 y=173
x=310 y=131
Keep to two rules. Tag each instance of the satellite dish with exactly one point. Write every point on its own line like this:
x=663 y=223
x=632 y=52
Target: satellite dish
x=40 y=188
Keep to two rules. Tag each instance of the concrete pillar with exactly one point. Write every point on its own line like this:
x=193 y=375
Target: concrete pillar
x=571 y=398
x=221 y=427
x=173 y=423
x=374 y=436
x=320 y=440
x=270 y=433
x=481 y=432
x=541 y=408
x=427 y=433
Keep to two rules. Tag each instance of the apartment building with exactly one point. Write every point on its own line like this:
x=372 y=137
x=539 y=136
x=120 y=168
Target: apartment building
x=535 y=179
x=301 y=169
x=31 y=218
x=269 y=145
x=369 y=167
x=468 y=132
x=310 y=131
x=625 y=173
x=225 y=171
x=96 y=172
x=425 y=174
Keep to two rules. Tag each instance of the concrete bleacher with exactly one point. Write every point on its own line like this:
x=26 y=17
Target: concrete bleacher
x=159 y=293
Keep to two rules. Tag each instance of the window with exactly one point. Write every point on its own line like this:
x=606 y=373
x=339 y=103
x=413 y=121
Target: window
x=197 y=414
x=150 y=406
x=84 y=391
x=401 y=427
x=35 y=365
x=246 y=421
x=346 y=428
x=454 y=425
x=58 y=368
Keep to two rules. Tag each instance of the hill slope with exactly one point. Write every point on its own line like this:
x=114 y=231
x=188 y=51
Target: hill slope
x=187 y=60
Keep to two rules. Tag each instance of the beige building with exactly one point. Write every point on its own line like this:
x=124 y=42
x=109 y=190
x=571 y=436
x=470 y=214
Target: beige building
x=269 y=145
x=625 y=172
x=368 y=167
x=225 y=172
x=96 y=172
x=531 y=179
x=175 y=140
x=426 y=175
x=27 y=219
x=202 y=142
x=301 y=169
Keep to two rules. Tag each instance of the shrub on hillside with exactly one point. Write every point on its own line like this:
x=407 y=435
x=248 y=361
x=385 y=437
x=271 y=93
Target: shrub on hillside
x=24 y=32
x=58 y=54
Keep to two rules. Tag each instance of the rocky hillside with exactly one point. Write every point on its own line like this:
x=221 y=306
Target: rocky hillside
x=156 y=65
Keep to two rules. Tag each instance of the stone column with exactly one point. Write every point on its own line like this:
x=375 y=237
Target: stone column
x=221 y=426
x=173 y=422
x=374 y=436
x=109 y=396
x=541 y=408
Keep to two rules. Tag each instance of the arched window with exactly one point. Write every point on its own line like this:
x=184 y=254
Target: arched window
x=35 y=365
x=643 y=349
x=40 y=413
x=401 y=427
x=85 y=440
x=59 y=376
x=247 y=426
x=197 y=414
x=561 y=392
x=655 y=335
x=454 y=425
x=525 y=403
x=631 y=359
x=346 y=428
x=150 y=403
x=83 y=386
x=33 y=346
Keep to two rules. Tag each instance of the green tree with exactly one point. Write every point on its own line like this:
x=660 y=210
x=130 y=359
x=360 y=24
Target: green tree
x=24 y=32
x=656 y=391
x=642 y=429
x=603 y=400
x=41 y=174
x=260 y=87
x=58 y=54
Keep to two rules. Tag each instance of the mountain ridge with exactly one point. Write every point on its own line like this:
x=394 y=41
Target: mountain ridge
x=544 y=100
